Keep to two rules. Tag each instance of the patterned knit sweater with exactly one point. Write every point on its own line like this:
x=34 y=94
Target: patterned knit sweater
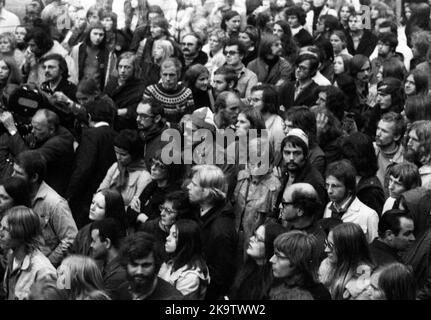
x=176 y=103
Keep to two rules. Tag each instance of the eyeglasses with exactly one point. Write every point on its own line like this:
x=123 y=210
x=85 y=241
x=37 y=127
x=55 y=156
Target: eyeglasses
x=329 y=245
x=170 y=211
x=231 y=53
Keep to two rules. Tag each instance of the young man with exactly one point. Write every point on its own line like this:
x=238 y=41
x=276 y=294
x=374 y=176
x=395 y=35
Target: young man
x=386 y=45
x=225 y=79
x=341 y=187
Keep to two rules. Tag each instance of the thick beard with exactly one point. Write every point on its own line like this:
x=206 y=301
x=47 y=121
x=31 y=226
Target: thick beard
x=141 y=287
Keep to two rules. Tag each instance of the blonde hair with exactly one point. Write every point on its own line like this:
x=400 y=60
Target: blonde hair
x=84 y=277
x=212 y=180
x=168 y=48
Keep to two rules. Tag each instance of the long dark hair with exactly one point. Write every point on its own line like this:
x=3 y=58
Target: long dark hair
x=18 y=189
x=189 y=246
x=397 y=282
x=114 y=207
x=253 y=281
x=290 y=49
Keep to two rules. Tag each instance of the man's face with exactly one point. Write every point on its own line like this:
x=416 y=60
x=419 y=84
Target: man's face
x=413 y=142
x=336 y=189
x=169 y=77
x=20 y=34
x=383 y=49
x=277 y=48
x=123 y=156
x=293 y=21
x=230 y=113
x=302 y=71
x=364 y=74
x=353 y=25
x=144 y=117
x=5 y=45
x=125 y=69
x=108 y=23
x=385 y=134
x=41 y=129
x=34 y=48
x=405 y=237
x=189 y=46
x=168 y=214
x=233 y=58
x=98 y=248
x=242 y=125
x=256 y=100
x=195 y=191
x=288 y=212
x=281 y=265
x=83 y=98
x=293 y=157
x=141 y=273
x=219 y=84
x=96 y=36
x=52 y=71
x=19 y=172
x=6 y=201
x=396 y=187
x=384 y=99
x=233 y=24
x=245 y=39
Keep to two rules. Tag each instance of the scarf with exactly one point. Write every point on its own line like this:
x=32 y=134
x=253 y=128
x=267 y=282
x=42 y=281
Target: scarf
x=339 y=211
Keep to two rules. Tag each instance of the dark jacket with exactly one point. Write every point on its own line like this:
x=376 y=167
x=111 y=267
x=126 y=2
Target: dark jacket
x=281 y=70
x=418 y=202
x=366 y=46
x=153 y=142
x=383 y=254
x=127 y=97
x=114 y=275
x=94 y=157
x=219 y=241
x=59 y=154
x=309 y=174
x=370 y=192
x=307 y=97
x=163 y=291
x=82 y=242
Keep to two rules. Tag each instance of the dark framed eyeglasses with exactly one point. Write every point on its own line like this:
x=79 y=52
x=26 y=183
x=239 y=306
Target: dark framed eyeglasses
x=168 y=210
x=231 y=53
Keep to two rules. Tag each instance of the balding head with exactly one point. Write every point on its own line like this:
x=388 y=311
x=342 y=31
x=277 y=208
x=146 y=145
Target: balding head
x=45 y=124
x=228 y=105
x=300 y=200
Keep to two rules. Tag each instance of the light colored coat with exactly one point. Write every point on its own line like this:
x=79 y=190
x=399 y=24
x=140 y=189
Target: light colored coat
x=360 y=214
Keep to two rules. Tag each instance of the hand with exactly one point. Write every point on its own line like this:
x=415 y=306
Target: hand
x=321 y=121
x=142 y=218
x=8 y=122
x=30 y=58
x=135 y=204
x=59 y=96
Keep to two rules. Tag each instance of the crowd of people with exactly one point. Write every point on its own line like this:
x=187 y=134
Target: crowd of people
x=333 y=94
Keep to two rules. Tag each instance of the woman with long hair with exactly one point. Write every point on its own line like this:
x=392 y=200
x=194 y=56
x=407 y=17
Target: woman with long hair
x=416 y=83
x=231 y=23
x=10 y=78
x=185 y=268
x=254 y=277
x=394 y=281
x=290 y=50
x=348 y=264
x=341 y=66
x=84 y=278
x=105 y=204
x=338 y=41
x=135 y=15
x=360 y=70
x=128 y=175
x=8 y=48
x=345 y=11
x=196 y=79
x=214 y=49
x=249 y=37
x=115 y=38
x=21 y=232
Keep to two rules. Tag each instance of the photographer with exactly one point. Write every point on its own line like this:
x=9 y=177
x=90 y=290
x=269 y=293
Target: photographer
x=53 y=141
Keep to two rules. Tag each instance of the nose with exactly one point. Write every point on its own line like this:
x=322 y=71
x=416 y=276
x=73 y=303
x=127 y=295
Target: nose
x=139 y=270
x=412 y=237
x=272 y=260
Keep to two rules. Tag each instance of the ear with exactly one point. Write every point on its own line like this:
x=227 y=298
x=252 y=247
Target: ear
x=108 y=243
x=299 y=212
x=34 y=179
x=389 y=235
x=157 y=118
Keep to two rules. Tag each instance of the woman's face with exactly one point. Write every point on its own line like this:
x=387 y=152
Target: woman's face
x=329 y=248
x=242 y=125
x=410 y=86
x=374 y=13
x=4 y=70
x=214 y=44
x=98 y=207
x=344 y=14
x=158 y=52
x=245 y=39
x=407 y=12
x=159 y=171
x=202 y=82
x=277 y=30
x=233 y=24
x=256 y=247
x=396 y=187
x=6 y=201
x=123 y=156
x=108 y=23
x=168 y=214
x=336 y=43
x=5 y=45
x=338 y=65
x=156 y=31
x=93 y=19
x=172 y=240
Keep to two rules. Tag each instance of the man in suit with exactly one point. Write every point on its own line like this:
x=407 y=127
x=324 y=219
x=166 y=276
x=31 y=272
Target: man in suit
x=94 y=157
x=304 y=90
